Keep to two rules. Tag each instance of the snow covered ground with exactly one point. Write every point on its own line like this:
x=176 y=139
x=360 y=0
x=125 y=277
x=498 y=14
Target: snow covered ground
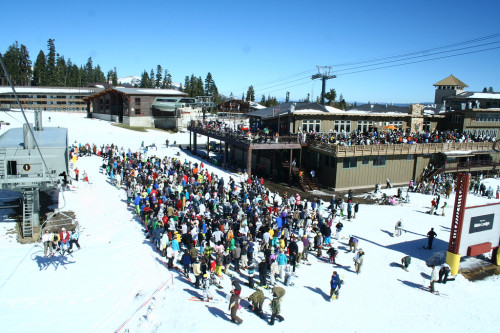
x=117 y=282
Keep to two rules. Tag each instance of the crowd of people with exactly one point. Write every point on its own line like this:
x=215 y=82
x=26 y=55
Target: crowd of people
x=395 y=137
x=209 y=226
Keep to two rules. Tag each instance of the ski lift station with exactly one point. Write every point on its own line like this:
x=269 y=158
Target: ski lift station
x=27 y=169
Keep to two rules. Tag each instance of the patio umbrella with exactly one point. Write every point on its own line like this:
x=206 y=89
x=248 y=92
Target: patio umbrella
x=391 y=127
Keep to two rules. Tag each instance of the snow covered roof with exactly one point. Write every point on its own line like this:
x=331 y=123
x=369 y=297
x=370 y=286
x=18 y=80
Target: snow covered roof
x=475 y=96
x=49 y=90
x=149 y=91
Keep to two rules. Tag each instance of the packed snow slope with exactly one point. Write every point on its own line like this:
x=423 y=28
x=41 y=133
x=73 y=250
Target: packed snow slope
x=117 y=282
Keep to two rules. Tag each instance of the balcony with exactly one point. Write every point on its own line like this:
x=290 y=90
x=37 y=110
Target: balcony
x=400 y=149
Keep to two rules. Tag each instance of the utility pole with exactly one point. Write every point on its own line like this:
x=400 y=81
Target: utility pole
x=324 y=74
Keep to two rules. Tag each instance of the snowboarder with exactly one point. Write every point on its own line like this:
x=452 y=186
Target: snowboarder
x=278 y=294
x=335 y=285
x=430 y=238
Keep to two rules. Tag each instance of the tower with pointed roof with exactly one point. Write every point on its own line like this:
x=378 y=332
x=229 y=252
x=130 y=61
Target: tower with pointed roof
x=450 y=86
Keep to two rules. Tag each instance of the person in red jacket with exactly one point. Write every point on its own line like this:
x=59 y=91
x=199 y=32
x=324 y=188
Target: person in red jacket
x=64 y=240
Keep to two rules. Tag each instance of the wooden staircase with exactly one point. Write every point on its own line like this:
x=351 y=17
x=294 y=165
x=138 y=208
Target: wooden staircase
x=305 y=182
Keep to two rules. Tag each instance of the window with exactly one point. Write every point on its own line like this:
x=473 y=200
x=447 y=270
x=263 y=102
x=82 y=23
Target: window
x=350 y=162
x=456 y=118
x=365 y=126
x=488 y=117
x=378 y=160
x=342 y=126
x=366 y=160
x=137 y=111
x=427 y=126
x=311 y=125
x=11 y=167
x=409 y=157
x=398 y=124
x=137 y=101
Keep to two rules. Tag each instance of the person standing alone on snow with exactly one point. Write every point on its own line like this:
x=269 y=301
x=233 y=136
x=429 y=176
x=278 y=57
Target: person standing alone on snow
x=335 y=285
x=430 y=236
x=358 y=261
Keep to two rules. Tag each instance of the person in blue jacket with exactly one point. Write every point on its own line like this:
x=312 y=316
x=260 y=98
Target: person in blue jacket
x=335 y=284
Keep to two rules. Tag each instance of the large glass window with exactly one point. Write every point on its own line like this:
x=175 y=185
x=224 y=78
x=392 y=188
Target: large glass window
x=309 y=125
x=488 y=117
x=137 y=101
x=365 y=126
x=342 y=126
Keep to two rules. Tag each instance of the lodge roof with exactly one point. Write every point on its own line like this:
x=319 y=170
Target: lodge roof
x=450 y=81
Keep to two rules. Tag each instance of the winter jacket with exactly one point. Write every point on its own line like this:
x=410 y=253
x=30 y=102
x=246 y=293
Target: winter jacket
x=282 y=260
x=335 y=282
x=257 y=297
x=186 y=259
x=435 y=274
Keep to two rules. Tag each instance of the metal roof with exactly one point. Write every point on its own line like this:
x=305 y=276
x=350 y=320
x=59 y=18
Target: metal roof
x=49 y=137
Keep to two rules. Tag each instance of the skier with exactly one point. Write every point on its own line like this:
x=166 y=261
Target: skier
x=278 y=294
x=398 y=228
x=335 y=285
x=64 y=240
x=205 y=285
x=430 y=236
x=434 y=278
x=73 y=239
x=358 y=261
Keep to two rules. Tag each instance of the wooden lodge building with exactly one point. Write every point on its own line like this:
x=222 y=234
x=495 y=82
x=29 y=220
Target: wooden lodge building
x=358 y=166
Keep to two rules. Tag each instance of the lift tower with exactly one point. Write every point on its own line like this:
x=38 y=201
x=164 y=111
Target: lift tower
x=324 y=74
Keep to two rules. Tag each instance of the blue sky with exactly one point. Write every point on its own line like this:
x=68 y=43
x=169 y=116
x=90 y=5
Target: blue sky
x=260 y=43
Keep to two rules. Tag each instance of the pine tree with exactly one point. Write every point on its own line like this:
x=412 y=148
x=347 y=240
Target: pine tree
x=331 y=96
x=263 y=100
x=485 y=89
x=159 y=79
x=209 y=82
x=231 y=96
x=40 y=70
x=242 y=96
x=490 y=90
x=250 y=94
x=98 y=75
x=144 y=80
x=88 y=74
x=108 y=76
x=151 y=79
x=200 y=91
x=51 y=63
x=287 y=98
x=25 y=66
x=187 y=85
x=61 y=74
x=167 y=80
